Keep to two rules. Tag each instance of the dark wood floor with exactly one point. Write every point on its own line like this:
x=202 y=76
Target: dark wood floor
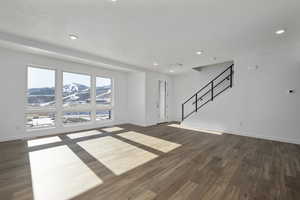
x=184 y=164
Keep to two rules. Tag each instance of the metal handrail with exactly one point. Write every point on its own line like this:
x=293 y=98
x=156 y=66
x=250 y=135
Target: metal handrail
x=211 y=90
x=216 y=85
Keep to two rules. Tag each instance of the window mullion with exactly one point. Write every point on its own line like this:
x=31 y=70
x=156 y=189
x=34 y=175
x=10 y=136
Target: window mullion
x=93 y=97
x=58 y=95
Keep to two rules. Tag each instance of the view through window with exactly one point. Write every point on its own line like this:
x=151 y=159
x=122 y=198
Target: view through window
x=76 y=117
x=40 y=98
x=41 y=87
x=103 y=115
x=103 y=91
x=76 y=89
x=78 y=104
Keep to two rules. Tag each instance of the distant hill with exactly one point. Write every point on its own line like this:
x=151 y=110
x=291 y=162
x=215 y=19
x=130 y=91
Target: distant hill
x=74 y=87
x=72 y=94
x=41 y=91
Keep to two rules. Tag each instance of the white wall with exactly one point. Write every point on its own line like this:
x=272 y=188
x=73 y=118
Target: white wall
x=143 y=97
x=137 y=98
x=13 y=86
x=258 y=105
x=188 y=83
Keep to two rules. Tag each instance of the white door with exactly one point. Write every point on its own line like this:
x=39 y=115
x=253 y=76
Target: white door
x=162 y=101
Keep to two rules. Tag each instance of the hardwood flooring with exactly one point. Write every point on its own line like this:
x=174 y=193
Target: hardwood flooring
x=160 y=162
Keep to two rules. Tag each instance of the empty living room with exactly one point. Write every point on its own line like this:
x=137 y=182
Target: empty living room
x=150 y=100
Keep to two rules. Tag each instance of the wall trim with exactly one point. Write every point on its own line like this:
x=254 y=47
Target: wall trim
x=265 y=137
x=250 y=134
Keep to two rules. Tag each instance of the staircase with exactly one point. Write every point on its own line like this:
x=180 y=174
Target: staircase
x=208 y=93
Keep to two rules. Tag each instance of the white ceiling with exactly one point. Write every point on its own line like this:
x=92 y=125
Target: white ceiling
x=164 y=31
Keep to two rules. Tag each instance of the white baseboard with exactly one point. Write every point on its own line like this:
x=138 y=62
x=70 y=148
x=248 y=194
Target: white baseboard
x=11 y=138
x=248 y=134
x=266 y=137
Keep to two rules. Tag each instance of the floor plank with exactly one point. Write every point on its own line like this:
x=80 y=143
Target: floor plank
x=149 y=163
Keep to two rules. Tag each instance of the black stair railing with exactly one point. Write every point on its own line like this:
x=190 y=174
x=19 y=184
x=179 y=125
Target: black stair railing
x=210 y=91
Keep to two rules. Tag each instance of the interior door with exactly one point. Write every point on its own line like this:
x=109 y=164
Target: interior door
x=162 y=101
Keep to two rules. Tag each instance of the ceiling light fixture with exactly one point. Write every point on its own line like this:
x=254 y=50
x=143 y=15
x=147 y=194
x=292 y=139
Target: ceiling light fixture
x=155 y=64
x=73 y=37
x=171 y=71
x=199 y=52
x=113 y=0
x=279 y=32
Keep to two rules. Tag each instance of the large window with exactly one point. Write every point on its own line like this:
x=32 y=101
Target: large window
x=76 y=89
x=103 y=91
x=40 y=87
x=79 y=98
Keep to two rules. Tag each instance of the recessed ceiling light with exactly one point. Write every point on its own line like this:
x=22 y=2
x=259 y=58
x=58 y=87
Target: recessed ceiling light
x=171 y=70
x=113 y=0
x=199 y=52
x=155 y=64
x=73 y=37
x=279 y=32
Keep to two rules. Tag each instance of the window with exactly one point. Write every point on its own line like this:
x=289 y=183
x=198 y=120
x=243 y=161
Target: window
x=76 y=117
x=103 y=115
x=40 y=120
x=103 y=91
x=40 y=98
x=76 y=89
x=82 y=98
x=40 y=87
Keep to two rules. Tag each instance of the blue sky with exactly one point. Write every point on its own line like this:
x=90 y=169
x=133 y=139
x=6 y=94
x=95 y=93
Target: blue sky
x=38 y=78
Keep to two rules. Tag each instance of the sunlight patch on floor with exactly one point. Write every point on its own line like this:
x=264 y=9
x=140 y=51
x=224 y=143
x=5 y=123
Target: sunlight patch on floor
x=84 y=134
x=42 y=141
x=112 y=129
x=57 y=173
x=116 y=155
x=196 y=129
x=153 y=142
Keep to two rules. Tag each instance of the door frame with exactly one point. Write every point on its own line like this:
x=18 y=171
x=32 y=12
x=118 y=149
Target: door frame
x=163 y=119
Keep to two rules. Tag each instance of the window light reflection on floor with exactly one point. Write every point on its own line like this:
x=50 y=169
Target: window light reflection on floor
x=83 y=134
x=112 y=129
x=42 y=141
x=194 y=129
x=116 y=155
x=57 y=173
x=153 y=142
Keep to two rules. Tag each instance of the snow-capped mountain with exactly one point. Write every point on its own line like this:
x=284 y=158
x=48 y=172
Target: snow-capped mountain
x=74 y=87
x=72 y=94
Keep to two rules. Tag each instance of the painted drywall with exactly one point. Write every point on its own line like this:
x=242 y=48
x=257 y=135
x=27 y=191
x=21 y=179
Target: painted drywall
x=258 y=105
x=137 y=98
x=13 y=86
x=188 y=83
x=143 y=97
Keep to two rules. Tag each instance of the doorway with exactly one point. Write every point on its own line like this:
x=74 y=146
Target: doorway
x=162 y=101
